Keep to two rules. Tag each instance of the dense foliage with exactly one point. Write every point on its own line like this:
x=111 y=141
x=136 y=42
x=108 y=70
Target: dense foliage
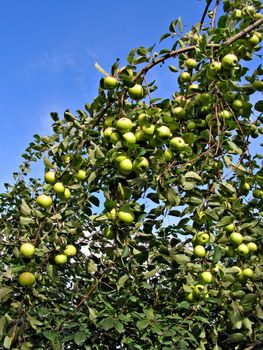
x=160 y=197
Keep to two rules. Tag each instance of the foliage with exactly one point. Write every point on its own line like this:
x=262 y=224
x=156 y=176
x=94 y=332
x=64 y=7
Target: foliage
x=135 y=284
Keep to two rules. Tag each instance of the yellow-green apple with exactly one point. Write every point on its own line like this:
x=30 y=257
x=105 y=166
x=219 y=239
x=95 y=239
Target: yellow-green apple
x=44 y=201
x=140 y=164
x=236 y=238
x=230 y=227
x=61 y=259
x=109 y=83
x=148 y=129
x=108 y=232
x=26 y=279
x=179 y=112
x=70 y=250
x=50 y=177
x=125 y=166
x=59 y=188
x=129 y=137
x=243 y=249
x=81 y=175
x=215 y=66
x=185 y=77
x=252 y=247
x=206 y=277
x=190 y=63
x=202 y=238
x=225 y=114
x=248 y=272
x=136 y=92
x=229 y=61
x=198 y=290
x=124 y=124
x=163 y=132
x=199 y=251
x=126 y=215
x=27 y=250
x=177 y=143
x=115 y=137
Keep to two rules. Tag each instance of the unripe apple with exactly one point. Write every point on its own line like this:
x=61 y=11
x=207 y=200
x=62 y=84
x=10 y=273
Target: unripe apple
x=126 y=215
x=163 y=132
x=236 y=14
x=252 y=247
x=44 y=201
x=179 y=112
x=140 y=135
x=185 y=77
x=193 y=88
x=258 y=193
x=249 y=10
x=190 y=63
x=253 y=40
x=81 y=175
x=140 y=164
x=237 y=104
x=207 y=277
x=107 y=132
x=236 y=238
x=199 y=251
x=61 y=259
x=245 y=187
x=59 y=188
x=148 y=129
x=190 y=297
x=243 y=249
x=70 y=250
x=108 y=121
x=230 y=227
x=225 y=114
x=229 y=61
x=125 y=166
x=230 y=96
x=118 y=157
x=136 y=92
x=198 y=290
x=27 y=250
x=108 y=232
x=129 y=137
x=112 y=215
x=66 y=194
x=115 y=137
x=109 y=83
x=168 y=155
x=177 y=143
x=248 y=272
x=258 y=85
x=191 y=125
x=202 y=238
x=124 y=124
x=50 y=177
x=26 y=279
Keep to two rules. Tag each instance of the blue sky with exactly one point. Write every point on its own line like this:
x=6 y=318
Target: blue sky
x=48 y=52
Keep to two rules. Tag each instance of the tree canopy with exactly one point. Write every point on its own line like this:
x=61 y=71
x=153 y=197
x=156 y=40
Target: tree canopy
x=145 y=229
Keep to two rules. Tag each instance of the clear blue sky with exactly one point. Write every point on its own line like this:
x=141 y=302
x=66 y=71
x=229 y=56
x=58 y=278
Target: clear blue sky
x=48 y=52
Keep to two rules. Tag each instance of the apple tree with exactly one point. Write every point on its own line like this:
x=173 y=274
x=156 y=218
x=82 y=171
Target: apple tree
x=144 y=230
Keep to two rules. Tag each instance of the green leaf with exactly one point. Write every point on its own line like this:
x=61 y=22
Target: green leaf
x=8 y=342
x=122 y=281
x=5 y=293
x=173 y=69
x=226 y=220
x=180 y=26
x=193 y=175
x=234 y=147
x=3 y=323
x=181 y=259
x=142 y=324
x=80 y=337
x=34 y=322
x=164 y=36
x=107 y=323
x=217 y=254
x=259 y=106
x=25 y=209
x=151 y=273
x=228 y=187
x=119 y=326
x=26 y=220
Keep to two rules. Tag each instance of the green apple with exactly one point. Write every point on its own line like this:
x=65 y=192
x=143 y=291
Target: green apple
x=230 y=96
x=230 y=227
x=124 y=124
x=190 y=63
x=108 y=121
x=115 y=137
x=243 y=249
x=26 y=279
x=245 y=187
x=136 y=92
x=193 y=88
x=44 y=201
x=107 y=132
x=124 y=71
x=59 y=188
x=258 y=85
x=177 y=143
x=50 y=177
x=190 y=297
x=229 y=61
x=236 y=238
x=185 y=77
x=70 y=250
x=108 y=232
x=225 y=114
x=252 y=247
x=61 y=259
x=168 y=155
x=191 y=125
x=236 y=14
x=112 y=215
x=129 y=137
x=140 y=164
x=148 y=129
x=27 y=250
x=109 y=83
x=202 y=238
x=126 y=215
x=198 y=290
x=206 y=277
x=163 y=132
x=140 y=135
x=81 y=175
x=66 y=194
x=248 y=272
x=199 y=251
x=258 y=193
x=237 y=104
x=179 y=112
x=253 y=40
x=119 y=156
x=125 y=166
x=142 y=119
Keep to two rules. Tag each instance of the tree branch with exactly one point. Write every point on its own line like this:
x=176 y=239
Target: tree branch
x=204 y=13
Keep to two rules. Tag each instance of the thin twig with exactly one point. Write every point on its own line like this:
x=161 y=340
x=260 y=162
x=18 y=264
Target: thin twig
x=204 y=13
x=214 y=14
x=90 y=291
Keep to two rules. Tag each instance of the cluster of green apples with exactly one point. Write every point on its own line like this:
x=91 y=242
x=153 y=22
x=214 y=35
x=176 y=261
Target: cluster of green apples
x=237 y=245
x=199 y=241
x=200 y=290
x=27 y=250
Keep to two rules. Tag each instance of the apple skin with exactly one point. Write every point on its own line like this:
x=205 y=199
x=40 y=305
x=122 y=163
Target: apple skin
x=27 y=250
x=206 y=277
x=252 y=247
x=126 y=215
x=236 y=238
x=185 y=77
x=26 y=279
x=229 y=61
x=114 y=137
x=230 y=228
x=179 y=112
x=44 y=201
x=108 y=232
x=59 y=188
x=237 y=104
x=109 y=83
x=124 y=124
x=258 y=193
x=61 y=259
x=225 y=114
x=193 y=88
x=70 y=250
x=140 y=165
x=258 y=85
x=243 y=249
x=129 y=137
x=50 y=177
x=125 y=166
x=136 y=92
x=202 y=238
x=190 y=63
x=190 y=297
x=66 y=194
x=236 y=14
x=168 y=155
x=177 y=143
x=248 y=273
x=118 y=157
x=163 y=132
x=148 y=129
x=253 y=40
x=198 y=290
x=81 y=175
x=199 y=251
